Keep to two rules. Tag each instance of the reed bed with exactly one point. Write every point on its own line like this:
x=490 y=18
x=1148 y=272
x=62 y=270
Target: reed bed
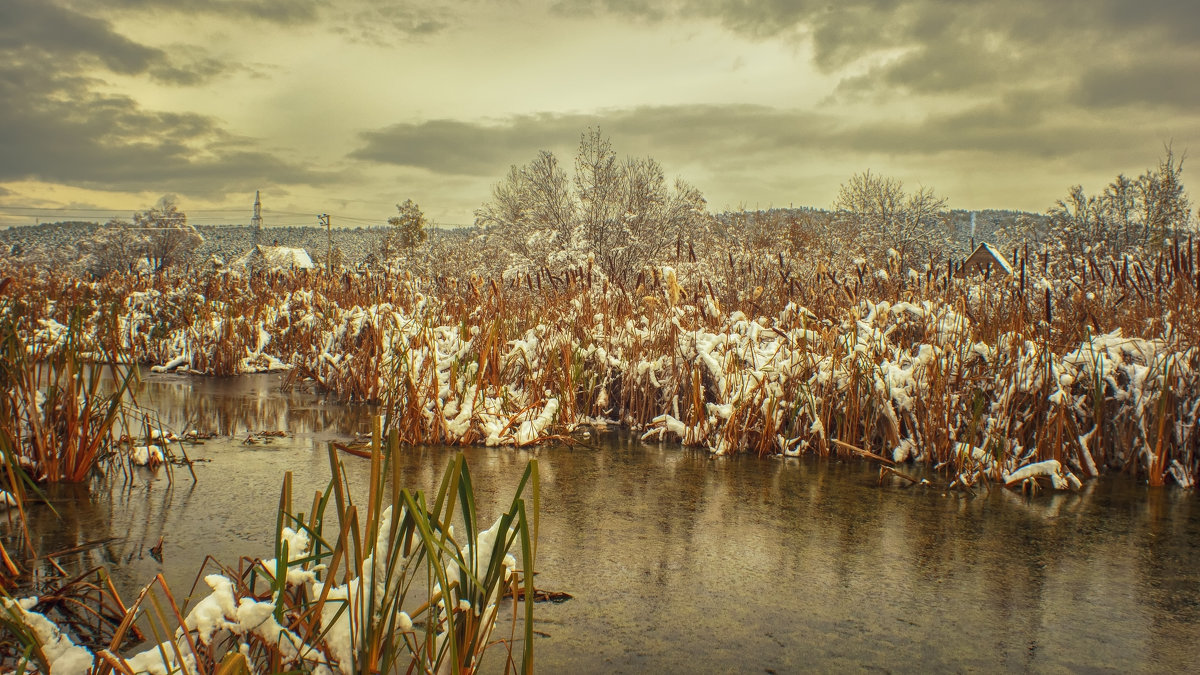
x=66 y=414
x=1070 y=366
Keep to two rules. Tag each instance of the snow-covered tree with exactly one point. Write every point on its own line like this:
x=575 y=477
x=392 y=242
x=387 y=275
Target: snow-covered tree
x=888 y=217
x=598 y=187
x=406 y=231
x=620 y=214
x=1164 y=206
x=532 y=211
x=114 y=247
x=1128 y=213
x=169 y=237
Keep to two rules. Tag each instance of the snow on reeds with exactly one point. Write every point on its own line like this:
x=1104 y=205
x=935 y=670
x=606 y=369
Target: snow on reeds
x=1091 y=363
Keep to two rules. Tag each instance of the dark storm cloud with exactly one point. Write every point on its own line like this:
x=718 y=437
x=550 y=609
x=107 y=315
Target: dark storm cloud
x=54 y=129
x=55 y=126
x=38 y=26
x=38 y=30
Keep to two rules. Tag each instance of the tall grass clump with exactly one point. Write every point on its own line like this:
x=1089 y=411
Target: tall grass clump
x=62 y=394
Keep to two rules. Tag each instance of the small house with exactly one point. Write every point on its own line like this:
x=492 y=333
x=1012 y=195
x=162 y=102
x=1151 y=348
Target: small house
x=275 y=258
x=984 y=260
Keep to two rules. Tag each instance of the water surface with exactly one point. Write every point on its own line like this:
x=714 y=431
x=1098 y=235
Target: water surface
x=680 y=562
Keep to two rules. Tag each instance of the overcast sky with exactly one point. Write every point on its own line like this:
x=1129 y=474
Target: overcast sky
x=351 y=106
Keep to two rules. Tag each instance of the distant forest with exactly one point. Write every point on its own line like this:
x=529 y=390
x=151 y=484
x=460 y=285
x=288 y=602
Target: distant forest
x=59 y=242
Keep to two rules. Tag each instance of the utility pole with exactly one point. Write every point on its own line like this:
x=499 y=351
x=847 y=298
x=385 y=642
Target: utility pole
x=324 y=220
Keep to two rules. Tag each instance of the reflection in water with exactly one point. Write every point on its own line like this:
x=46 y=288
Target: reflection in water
x=241 y=405
x=684 y=563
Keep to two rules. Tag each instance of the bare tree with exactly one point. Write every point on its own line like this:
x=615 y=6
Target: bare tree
x=1165 y=206
x=532 y=211
x=598 y=186
x=1118 y=208
x=551 y=205
x=114 y=247
x=1077 y=220
x=620 y=212
x=169 y=237
x=628 y=217
x=686 y=219
x=1025 y=228
x=1128 y=213
x=888 y=217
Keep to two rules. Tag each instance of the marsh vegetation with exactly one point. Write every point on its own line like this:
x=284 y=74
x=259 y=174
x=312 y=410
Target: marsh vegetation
x=600 y=303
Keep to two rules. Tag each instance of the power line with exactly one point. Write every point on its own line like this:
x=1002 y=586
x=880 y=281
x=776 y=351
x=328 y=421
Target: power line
x=17 y=213
x=88 y=209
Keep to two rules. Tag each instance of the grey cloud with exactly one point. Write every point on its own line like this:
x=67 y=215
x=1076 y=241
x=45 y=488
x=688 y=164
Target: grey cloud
x=37 y=25
x=382 y=22
x=456 y=147
x=638 y=9
x=191 y=72
x=484 y=148
x=966 y=46
x=32 y=30
x=55 y=128
x=273 y=11
x=377 y=21
x=948 y=66
x=1023 y=20
x=1163 y=81
x=1027 y=125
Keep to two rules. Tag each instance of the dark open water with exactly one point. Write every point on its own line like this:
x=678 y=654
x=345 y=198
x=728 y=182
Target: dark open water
x=679 y=562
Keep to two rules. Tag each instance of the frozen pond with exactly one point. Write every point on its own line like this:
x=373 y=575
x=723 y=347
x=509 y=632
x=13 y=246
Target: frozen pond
x=679 y=562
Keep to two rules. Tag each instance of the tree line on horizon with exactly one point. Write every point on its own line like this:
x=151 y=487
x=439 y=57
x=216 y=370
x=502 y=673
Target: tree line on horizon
x=620 y=214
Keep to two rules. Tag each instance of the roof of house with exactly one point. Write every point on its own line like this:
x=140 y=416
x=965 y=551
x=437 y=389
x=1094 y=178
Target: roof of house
x=277 y=257
x=985 y=254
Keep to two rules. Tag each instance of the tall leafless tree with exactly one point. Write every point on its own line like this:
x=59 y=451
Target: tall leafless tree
x=169 y=237
x=1128 y=213
x=888 y=217
x=114 y=247
x=621 y=212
